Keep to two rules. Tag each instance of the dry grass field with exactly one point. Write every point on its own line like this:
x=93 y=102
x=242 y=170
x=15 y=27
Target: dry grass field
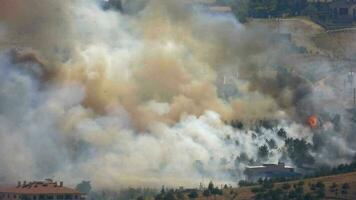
x=244 y=193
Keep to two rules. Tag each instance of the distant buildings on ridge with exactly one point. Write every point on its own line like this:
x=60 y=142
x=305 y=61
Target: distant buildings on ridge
x=40 y=190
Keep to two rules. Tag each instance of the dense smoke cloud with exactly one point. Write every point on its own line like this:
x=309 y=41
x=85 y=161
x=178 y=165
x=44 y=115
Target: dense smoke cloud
x=142 y=98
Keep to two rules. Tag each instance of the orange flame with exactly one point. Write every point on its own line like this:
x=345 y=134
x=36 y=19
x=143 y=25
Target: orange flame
x=313 y=121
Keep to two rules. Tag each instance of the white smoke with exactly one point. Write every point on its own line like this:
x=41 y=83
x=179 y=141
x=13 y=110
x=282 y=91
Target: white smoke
x=131 y=100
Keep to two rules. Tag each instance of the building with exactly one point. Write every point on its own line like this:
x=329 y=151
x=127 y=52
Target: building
x=40 y=190
x=344 y=10
x=320 y=1
x=254 y=173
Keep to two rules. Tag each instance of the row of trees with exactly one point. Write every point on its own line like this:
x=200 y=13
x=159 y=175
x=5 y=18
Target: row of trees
x=190 y=193
x=267 y=191
x=276 y=8
x=265 y=8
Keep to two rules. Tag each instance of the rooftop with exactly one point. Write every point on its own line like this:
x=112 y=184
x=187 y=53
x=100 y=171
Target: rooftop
x=39 y=187
x=279 y=165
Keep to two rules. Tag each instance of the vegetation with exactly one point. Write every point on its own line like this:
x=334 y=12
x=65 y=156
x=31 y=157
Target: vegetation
x=193 y=194
x=298 y=151
x=265 y=8
x=244 y=9
x=282 y=133
x=189 y=193
x=124 y=194
x=84 y=187
x=297 y=192
x=263 y=152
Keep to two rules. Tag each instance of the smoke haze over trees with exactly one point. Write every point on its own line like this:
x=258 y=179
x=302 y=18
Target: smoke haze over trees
x=139 y=97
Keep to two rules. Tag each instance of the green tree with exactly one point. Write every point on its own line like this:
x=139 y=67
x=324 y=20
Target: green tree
x=240 y=9
x=193 y=194
x=206 y=193
x=286 y=186
x=84 y=187
x=211 y=186
x=262 y=8
x=345 y=188
x=180 y=195
x=263 y=152
x=282 y=133
x=217 y=191
x=170 y=196
x=299 y=151
x=271 y=143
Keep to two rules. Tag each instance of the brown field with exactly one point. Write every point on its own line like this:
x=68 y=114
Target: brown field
x=244 y=193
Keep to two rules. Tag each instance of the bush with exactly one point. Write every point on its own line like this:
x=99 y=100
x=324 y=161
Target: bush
x=282 y=133
x=263 y=152
x=267 y=184
x=193 y=194
x=217 y=191
x=345 y=186
x=300 y=183
x=286 y=186
x=257 y=190
x=206 y=193
x=243 y=183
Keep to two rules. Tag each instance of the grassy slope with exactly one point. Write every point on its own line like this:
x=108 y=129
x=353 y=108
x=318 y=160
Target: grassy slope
x=245 y=193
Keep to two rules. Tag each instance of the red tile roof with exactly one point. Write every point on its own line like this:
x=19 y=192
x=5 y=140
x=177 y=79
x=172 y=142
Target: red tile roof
x=39 y=187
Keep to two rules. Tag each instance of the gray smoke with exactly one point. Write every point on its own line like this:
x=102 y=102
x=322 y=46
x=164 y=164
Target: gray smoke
x=141 y=99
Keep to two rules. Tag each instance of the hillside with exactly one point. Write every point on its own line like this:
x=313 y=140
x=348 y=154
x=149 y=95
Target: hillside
x=245 y=193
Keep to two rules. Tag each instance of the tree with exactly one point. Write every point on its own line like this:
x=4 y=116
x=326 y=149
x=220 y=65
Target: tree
x=170 y=196
x=345 y=188
x=163 y=191
x=298 y=151
x=237 y=124
x=193 y=194
x=267 y=184
x=211 y=186
x=180 y=195
x=206 y=193
x=84 y=187
x=282 y=133
x=300 y=183
x=217 y=191
x=240 y=9
x=112 y=4
x=263 y=152
x=333 y=188
x=159 y=197
x=320 y=189
x=286 y=186
x=271 y=143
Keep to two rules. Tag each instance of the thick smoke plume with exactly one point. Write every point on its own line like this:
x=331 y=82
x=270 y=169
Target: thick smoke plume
x=145 y=98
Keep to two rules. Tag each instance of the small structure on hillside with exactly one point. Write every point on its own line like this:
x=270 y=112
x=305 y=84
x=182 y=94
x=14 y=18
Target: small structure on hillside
x=279 y=170
x=40 y=190
x=344 y=11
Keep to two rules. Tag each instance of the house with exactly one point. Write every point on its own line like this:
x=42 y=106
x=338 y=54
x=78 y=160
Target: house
x=320 y=1
x=40 y=190
x=343 y=10
x=254 y=173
